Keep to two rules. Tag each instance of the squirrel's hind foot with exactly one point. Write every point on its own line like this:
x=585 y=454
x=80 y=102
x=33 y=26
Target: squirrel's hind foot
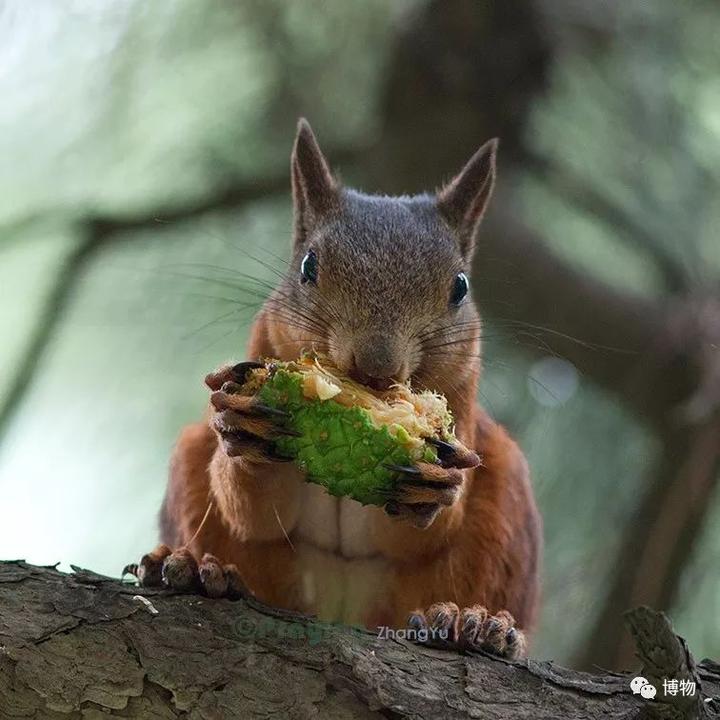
x=178 y=570
x=445 y=625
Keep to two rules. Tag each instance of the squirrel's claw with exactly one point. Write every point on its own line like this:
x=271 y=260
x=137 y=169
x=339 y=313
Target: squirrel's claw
x=230 y=373
x=275 y=412
x=241 y=370
x=149 y=570
x=454 y=455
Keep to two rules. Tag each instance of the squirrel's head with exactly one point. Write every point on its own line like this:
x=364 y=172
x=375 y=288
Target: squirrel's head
x=382 y=284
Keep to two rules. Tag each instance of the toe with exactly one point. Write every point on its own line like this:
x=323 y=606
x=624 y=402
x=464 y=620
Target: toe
x=216 y=379
x=424 y=484
x=438 y=475
x=420 y=515
x=443 y=619
x=416 y=621
x=514 y=638
x=180 y=571
x=428 y=483
x=471 y=622
x=514 y=644
x=228 y=401
x=212 y=577
x=236 y=443
x=412 y=493
x=230 y=373
x=149 y=570
x=426 y=474
x=232 y=421
x=498 y=635
x=245 y=404
x=454 y=454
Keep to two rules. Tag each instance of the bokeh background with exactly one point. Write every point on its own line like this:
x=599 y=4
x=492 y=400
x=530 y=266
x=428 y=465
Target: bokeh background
x=144 y=193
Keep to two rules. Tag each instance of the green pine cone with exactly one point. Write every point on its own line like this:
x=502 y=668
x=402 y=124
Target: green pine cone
x=344 y=441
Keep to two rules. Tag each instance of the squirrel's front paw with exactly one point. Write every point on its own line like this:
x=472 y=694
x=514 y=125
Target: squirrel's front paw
x=428 y=487
x=180 y=571
x=444 y=625
x=245 y=427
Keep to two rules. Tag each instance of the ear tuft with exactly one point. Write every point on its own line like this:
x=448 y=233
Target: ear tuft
x=315 y=191
x=464 y=199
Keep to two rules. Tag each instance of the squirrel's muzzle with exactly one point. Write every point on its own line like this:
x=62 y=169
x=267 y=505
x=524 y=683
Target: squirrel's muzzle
x=377 y=361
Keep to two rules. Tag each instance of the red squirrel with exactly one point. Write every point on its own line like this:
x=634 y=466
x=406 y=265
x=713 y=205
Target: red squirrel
x=379 y=285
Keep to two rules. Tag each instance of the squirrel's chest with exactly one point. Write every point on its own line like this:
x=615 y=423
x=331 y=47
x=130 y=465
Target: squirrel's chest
x=341 y=574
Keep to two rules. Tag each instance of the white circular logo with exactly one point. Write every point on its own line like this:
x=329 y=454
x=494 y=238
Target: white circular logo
x=637 y=684
x=648 y=691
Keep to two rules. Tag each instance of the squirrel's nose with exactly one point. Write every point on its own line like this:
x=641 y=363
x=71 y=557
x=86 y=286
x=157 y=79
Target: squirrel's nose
x=376 y=364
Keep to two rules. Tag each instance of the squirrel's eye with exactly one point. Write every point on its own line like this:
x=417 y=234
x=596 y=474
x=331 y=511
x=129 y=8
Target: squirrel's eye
x=460 y=289
x=309 y=268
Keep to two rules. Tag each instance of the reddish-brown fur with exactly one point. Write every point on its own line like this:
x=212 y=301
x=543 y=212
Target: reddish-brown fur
x=484 y=549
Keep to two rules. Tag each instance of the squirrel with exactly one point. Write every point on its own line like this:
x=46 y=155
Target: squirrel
x=380 y=285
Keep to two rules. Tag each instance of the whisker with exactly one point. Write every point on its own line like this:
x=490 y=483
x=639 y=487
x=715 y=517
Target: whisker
x=269 y=287
x=219 y=298
x=475 y=322
x=457 y=341
x=291 y=313
x=208 y=324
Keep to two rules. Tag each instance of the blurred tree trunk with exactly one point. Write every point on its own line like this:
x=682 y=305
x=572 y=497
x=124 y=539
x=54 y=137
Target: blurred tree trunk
x=660 y=538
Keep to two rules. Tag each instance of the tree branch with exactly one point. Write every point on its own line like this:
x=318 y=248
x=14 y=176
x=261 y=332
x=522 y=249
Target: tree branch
x=580 y=192
x=95 y=232
x=48 y=319
x=80 y=645
x=648 y=353
x=665 y=656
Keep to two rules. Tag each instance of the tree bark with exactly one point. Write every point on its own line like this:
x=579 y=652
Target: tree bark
x=461 y=72
x=87 y=646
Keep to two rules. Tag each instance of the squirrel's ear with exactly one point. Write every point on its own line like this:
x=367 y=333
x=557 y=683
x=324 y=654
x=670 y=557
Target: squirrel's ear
x=315 y=191
x=463 y=200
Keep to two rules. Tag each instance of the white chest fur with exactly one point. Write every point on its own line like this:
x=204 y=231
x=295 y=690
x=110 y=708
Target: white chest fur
x=342 y=574
x=338 y=525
